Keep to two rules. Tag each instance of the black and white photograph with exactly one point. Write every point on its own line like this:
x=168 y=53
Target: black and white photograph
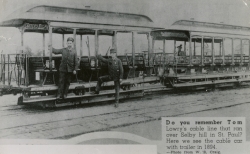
x=125 y=76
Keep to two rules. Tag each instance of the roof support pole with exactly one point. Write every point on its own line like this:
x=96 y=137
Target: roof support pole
x=63 y=40
x=114 y=41
x=8 y=80
x=249 y=53
x=194 y=49
x=1 y=65
x=74 y=36
x=220 y=47
x=223 y=51
x=133 y=48
x=96 y=45
x=43 y=44
x=50 y=42
x=164 y=48
x=190 y=51
x=185 y=47
x=22 y=33
x=232 y=51
x=241 y=52
x=213 y=51
x=175 y=54
x=3 y=70
x=149 y=49
x=164 y=54
x=202 y=50
x=27 y=71
x=81 y=46
x=153 y=45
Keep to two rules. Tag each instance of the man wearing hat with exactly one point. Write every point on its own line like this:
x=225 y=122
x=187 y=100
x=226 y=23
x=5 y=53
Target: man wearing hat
x=115 y=71
x=180 y=53
x=67 y=67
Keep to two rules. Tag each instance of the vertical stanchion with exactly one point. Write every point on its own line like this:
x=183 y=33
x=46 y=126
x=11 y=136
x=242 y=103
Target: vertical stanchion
x=249 y=54
x=81 y=46
x=133 y=49
x=223 y=51
x=8 y=69
x=164 y=55
x=213 y=51
x=50 y=55
x=149 y=50
x=27 y=70
x=63 y=40
x=114 y=41
x=3 y=69
x=74 y=36
x=194 y=48
x=43 y=44
x=18 y=75
x=190 y=51
x=232 y=51
x=185 y=47
x=1 y=62
x=202 y=51
x=241 y=52
x=96 y=45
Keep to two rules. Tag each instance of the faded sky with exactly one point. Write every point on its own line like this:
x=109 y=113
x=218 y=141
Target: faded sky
x=162 y=12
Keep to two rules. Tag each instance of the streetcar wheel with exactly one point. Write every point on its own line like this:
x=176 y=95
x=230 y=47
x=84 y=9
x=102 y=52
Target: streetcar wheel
x=20 y=100
x=44 y=105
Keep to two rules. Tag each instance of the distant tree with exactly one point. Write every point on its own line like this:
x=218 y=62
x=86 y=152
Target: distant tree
x=38 y=53
x=27 y=50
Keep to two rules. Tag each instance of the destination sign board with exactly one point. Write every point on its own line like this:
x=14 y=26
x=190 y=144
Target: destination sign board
x=36 y=26
x=170 y=34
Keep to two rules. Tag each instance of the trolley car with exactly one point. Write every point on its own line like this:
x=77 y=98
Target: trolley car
x=213 y=55
x=35 y=77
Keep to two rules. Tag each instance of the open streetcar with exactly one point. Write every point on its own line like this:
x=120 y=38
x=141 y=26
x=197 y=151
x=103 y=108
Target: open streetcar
x=201 y=55
x=192 y=55
x=36 y=76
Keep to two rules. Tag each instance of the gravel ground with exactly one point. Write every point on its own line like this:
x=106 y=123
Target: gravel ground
x=138 y=116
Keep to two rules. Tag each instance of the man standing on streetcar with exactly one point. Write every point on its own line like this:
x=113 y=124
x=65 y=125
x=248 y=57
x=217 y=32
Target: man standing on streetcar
x=67 y=67
x=115 y=71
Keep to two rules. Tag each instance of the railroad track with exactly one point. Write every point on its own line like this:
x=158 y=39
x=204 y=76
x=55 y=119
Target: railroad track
x=23 y=122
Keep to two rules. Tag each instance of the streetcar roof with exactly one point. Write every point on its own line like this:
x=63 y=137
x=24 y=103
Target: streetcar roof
x=182 y=29
x=61 y=16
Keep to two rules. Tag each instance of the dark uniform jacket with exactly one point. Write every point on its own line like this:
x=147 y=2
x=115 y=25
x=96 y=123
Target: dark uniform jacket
x=69 y=59
x=114 y=67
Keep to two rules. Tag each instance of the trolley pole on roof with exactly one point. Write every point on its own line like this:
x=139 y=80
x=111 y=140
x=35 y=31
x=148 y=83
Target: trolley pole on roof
x=50 y=55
